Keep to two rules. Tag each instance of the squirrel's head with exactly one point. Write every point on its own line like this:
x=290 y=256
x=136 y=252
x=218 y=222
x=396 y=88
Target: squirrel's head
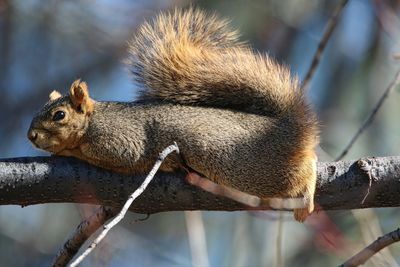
x=63 y=120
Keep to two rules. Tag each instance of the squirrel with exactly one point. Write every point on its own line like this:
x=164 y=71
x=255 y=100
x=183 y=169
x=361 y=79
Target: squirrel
x=238 y=117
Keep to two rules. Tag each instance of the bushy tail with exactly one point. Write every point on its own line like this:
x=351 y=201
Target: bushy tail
x=191 y=58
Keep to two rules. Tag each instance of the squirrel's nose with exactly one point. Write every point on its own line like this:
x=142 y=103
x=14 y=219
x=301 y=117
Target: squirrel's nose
x=32 y=135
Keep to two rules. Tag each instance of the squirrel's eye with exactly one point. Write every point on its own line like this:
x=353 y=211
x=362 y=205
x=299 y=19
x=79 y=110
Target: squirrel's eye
x=59 y=115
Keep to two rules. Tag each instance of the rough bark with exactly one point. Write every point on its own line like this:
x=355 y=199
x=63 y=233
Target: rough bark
x=35 y=180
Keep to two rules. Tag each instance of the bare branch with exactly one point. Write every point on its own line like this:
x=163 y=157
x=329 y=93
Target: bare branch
x=84 y=230
x=330 y=27
x=37 y=180
x=370 y=229
x=371 y=116
x=107 y=227
x=382 y=242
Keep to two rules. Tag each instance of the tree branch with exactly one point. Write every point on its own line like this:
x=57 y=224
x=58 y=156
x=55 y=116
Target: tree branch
x=35 y=180
x=84 y=230
x=371 y=116
x=330 y=27
x=365 y=254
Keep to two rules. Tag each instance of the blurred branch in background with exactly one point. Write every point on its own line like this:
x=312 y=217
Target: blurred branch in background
x=330 y=27
x=197 y=238
x=371 y=116
x=279 y=241
x=380 y=243
x=82 y=233
x=370 y=230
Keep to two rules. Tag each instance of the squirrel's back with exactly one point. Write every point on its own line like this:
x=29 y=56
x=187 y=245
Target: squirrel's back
x=192 y=58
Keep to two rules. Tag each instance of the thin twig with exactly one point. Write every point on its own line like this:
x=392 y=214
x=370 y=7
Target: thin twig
x=84 y=230
x=371 y=116
x=370 y=228
x=382 y=242
x=107 y=227
x=331 y=25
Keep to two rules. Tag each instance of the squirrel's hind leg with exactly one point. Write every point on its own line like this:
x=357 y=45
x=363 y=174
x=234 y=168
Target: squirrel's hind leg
x=195 y=179
x=301 y=214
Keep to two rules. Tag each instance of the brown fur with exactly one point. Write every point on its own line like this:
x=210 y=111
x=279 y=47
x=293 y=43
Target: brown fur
x=238 y=117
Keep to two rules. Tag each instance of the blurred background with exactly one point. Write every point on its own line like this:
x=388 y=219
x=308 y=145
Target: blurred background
x=46 y=45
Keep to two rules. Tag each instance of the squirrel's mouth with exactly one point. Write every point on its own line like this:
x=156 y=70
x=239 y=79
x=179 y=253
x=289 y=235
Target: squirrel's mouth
x=52 y=148
x=44 y=141
x=49 y=148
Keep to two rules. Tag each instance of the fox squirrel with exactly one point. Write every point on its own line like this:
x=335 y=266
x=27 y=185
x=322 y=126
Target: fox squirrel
x=238 y=117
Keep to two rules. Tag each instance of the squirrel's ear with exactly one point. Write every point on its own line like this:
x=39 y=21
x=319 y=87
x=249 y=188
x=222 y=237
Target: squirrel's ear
x=54 y=95
x=79 y=94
